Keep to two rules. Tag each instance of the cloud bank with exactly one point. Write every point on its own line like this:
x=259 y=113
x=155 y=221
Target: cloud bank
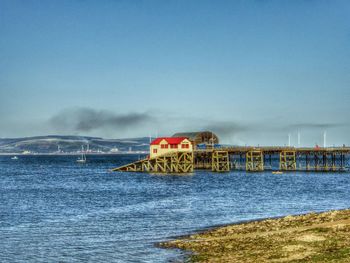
x=88 y=120
x=105 y=123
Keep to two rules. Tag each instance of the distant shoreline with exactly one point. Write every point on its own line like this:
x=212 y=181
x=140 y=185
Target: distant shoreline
x=312 y=237
x=71 y=154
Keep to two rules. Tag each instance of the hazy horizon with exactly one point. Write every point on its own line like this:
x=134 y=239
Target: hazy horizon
x=250 y=71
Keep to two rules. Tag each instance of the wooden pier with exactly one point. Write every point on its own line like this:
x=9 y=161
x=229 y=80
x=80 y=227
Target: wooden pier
x=256 y=159
x=250 y=159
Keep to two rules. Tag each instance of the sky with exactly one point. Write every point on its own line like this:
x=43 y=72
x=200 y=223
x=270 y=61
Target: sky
x=251 y=71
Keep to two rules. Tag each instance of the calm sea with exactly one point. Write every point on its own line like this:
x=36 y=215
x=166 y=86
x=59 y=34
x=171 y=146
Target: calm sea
x=53 y=209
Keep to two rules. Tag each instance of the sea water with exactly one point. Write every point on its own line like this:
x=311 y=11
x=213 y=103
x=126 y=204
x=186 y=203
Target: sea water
x=53 y=209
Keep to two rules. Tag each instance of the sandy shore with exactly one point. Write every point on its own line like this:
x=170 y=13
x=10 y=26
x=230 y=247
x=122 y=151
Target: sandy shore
x=322 y=237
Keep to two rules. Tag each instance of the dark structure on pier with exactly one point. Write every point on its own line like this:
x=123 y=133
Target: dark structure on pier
x=204 y=137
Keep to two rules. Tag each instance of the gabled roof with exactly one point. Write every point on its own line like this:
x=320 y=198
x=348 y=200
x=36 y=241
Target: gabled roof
x=169 y=140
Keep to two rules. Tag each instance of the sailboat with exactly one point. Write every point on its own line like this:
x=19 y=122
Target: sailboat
x=82 y=159
x=14 y=158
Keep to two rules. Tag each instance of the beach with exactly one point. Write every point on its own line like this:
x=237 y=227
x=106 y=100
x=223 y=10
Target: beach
x=313 y=237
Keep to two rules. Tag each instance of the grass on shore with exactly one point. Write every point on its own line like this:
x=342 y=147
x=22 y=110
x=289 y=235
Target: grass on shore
x=323 y=237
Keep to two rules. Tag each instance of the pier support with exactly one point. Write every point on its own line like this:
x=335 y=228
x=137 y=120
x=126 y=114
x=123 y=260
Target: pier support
x=220 y=161
x=162 y=164
x=254 y=161
x=202 y=160
x=182 y=162
x=288 y=161
x=177 y=162
x=327 y=161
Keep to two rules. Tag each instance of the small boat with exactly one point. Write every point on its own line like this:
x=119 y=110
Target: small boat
x=14 y=158
x=277 y=172
x=82 y=159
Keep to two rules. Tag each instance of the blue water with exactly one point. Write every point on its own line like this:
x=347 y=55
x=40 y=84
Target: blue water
x=55 y=210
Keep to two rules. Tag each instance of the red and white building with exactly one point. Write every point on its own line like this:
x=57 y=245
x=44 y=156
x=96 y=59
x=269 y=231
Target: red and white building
x=164 y=145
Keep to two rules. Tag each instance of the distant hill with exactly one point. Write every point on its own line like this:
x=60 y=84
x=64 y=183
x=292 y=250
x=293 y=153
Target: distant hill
x=71 y=144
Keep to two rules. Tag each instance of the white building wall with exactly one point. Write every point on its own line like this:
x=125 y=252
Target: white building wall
x=162 y=151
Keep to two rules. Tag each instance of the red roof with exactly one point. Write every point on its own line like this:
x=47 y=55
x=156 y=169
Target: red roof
x=170 y=140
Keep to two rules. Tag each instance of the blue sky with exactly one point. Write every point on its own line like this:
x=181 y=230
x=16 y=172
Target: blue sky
x=253 y=71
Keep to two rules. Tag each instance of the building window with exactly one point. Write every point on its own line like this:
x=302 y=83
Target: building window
x=164 y=146
x=173 y=146
x=185 y=146
x=154 y=150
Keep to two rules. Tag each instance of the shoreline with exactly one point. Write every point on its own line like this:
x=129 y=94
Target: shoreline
x=240 y=222
x=311 y=237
